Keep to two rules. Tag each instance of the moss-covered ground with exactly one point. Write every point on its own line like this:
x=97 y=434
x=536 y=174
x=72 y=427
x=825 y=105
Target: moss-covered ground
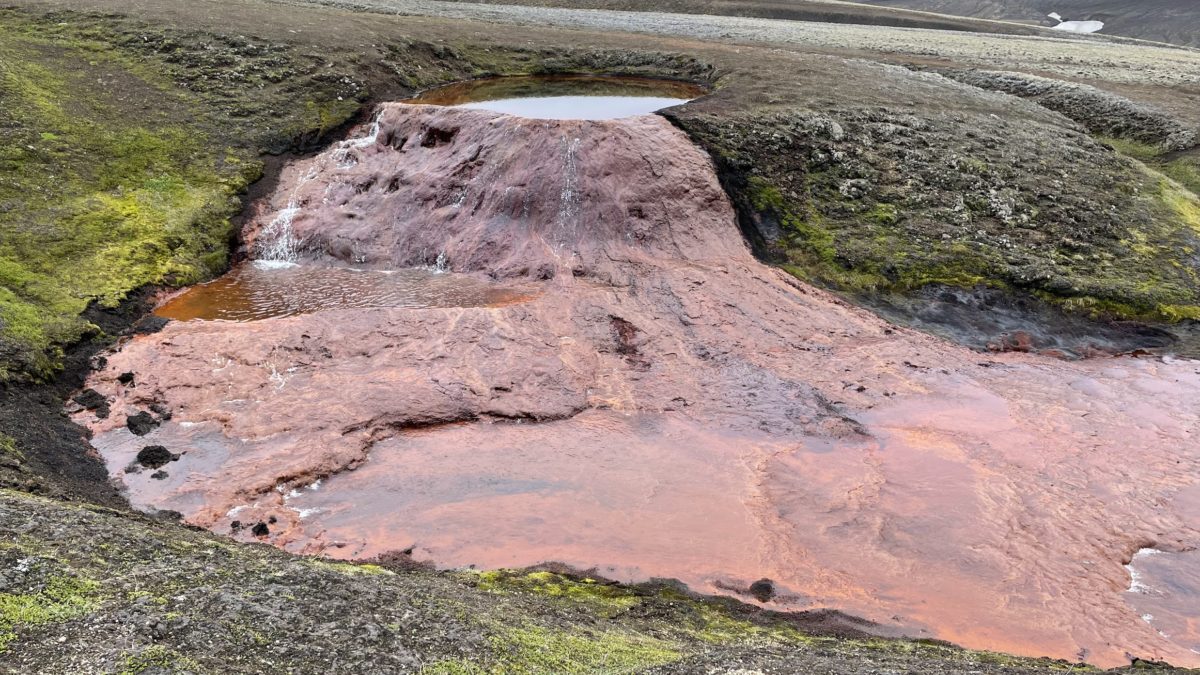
x=875 y=200
x=121 y=167
x=97 y=199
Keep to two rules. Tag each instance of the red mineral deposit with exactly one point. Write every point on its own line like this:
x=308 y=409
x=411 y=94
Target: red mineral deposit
x=659 y=404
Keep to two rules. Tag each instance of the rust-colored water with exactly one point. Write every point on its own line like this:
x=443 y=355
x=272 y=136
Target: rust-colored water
x=256 y=291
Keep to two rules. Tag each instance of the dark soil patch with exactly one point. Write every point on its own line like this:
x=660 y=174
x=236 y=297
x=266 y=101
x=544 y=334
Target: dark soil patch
x=56 y=457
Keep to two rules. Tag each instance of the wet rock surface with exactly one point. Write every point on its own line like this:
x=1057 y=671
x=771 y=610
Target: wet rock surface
x=665 y=407
x=992 y=320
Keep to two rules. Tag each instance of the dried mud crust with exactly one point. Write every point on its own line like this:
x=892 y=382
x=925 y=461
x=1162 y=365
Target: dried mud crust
x=89 y=590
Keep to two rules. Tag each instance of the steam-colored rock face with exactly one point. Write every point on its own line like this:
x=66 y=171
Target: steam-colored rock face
x=662 y=405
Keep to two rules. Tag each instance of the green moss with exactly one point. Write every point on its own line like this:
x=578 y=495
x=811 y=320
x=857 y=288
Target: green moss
x=156 y=658
x=1135 y=149
x=453 y=667
x=713 y=624
x=1184 y=204
x=884 y=214
x=810 y=244
x=533 y=650
x=99 y=201
x=348 y=567
x=321 y=117
x=1185 y=171
x=8 y=447
x=602 y=599
x=63 y=598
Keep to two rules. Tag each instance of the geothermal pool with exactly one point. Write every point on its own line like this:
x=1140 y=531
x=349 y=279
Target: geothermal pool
x=568 y=97
x=658 y=404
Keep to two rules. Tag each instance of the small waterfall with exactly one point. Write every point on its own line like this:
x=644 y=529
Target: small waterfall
x=278 y=245
x=440 y=265
x=342 y=155
x=569 y=199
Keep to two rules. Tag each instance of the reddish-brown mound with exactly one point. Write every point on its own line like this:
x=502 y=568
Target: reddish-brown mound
x=665 y=406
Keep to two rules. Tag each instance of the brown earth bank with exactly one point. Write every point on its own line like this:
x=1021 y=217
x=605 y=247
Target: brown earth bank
x=662 y=406
x=136 y=596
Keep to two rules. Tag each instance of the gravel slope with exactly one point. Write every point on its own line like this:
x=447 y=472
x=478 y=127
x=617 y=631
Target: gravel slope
x=1071 y=56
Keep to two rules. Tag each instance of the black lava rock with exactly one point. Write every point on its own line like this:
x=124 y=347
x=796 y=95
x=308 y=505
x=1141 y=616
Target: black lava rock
x=154 y=456
x=150 y=324
x=159 y=475
x=94 y=401
x=141 y=423
x=763 y=590
x=125 y=378
x=260 y=529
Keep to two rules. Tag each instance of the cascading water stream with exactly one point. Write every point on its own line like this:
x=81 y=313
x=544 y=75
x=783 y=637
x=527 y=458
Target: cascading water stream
x=277 y=244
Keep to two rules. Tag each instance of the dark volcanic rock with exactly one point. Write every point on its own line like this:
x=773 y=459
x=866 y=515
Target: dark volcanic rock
x=141 y=423
x=154 y=456
x=150 y=324
x=93 y=400
x=763 y=590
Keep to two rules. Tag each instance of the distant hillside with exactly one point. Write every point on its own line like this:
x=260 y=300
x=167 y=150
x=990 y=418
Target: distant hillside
x=1174 y=21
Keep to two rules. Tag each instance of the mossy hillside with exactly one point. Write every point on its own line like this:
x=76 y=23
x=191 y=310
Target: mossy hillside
x=37 y=591
x=94 y=202
x=892 y=200
x=1181 y=167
